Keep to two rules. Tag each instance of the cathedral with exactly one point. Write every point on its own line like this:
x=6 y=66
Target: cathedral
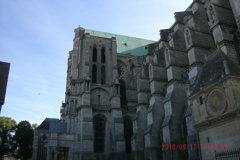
x=134 y=99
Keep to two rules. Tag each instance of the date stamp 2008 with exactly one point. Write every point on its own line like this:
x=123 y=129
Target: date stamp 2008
x=179 y=147
x=194 y=147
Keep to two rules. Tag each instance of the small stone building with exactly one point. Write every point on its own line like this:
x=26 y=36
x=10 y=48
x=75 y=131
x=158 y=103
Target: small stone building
x=130 y=98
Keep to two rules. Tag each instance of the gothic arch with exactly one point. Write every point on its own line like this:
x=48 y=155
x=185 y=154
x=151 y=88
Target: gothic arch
x=187 y=35
x=131 y=69
x=99 y=125
x=94 y=55
x=121 y=68
x=130 y=61
x=131 y=66
x=211 y=13
x=42 y=149
x=103 y=56
x=128 y=132
x=123 y=92
x=101 y=116
x=100 y=88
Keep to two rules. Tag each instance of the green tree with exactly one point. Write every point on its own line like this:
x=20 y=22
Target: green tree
x=24 y=139
x=34 y=126
x=7 y=126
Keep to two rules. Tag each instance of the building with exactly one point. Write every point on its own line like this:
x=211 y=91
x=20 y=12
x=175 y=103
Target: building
x=4 y=70
x=129 y=98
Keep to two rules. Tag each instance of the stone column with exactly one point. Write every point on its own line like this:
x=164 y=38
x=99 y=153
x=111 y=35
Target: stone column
x=141 y=118
x=174 y=105
x=155 y=113
x=117 y=130
x=86 y=123
x=235 y=8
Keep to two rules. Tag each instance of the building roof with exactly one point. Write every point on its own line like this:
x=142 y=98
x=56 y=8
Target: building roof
x=189 y=9
x=214 y=70
x=53 y=125
x=4 y=71
x=125 y=44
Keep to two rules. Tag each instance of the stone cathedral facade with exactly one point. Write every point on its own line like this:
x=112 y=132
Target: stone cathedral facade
x=135 y=99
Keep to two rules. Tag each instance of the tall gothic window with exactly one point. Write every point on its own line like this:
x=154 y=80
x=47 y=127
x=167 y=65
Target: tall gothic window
x=99 y=133
x=103 y=55
x=42 y=149
x=94 y=54
x=94 y=73
x=131 y=64
x=128 y=132
x=103 y=75
x=131 y=69
x=123 y=92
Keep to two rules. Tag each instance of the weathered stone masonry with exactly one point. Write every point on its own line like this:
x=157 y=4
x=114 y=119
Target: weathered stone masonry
x=129 y=98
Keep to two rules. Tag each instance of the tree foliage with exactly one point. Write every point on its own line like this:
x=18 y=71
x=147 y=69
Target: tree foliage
x=17 y=139
x=24 y=140
x=34 y=126
x=7 y=127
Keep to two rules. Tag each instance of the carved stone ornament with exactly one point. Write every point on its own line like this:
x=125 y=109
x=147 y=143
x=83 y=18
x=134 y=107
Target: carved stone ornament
x=216 y=102
x=187 y=36
x=120 y=70
x=212 y=15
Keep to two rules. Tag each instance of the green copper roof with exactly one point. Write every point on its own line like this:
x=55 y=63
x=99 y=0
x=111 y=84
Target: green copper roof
x=188 y=9
x=125 y=44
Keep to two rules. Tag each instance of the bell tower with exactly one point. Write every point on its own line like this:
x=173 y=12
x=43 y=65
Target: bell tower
x=92 y=105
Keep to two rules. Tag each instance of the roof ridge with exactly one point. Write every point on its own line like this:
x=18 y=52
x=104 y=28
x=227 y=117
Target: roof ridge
x=125 y=44
x=119 y=35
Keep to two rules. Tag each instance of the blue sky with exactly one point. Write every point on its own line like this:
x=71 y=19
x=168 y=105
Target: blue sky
x=36 y=36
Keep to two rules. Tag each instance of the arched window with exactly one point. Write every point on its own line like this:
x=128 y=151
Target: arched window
x=42 y=149
x=201 y=100
x=123 y=92
x=99 y=133
x=103 y=75
x=131 y=69
x=103 y=55
x=94 y=73
x=150 y=71
x=94 y=54
x=128 y=132
x=167 y=55
x=131 y=64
